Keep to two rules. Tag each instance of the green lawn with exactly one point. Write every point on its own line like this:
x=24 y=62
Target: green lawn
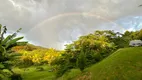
x=70 y=75
x=124 y=64
x=32 y=73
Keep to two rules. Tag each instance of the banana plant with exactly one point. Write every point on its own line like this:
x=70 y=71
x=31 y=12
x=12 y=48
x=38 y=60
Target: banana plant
x=6 y=43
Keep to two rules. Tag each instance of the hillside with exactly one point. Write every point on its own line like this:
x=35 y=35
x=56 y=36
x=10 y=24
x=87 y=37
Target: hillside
x=28 y=47
x=124 y=64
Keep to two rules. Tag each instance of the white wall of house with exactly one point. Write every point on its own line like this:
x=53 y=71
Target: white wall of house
x=135 y=43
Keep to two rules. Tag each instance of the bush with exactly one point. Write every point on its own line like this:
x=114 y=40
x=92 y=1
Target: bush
x=1 y=76
x=16 y=77
x=98 y=57
x=25 y=63
x=62 y=69
x=81 y=61
x=64 y=63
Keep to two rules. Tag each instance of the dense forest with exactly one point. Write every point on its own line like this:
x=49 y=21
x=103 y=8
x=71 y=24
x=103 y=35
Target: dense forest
x=18 y=60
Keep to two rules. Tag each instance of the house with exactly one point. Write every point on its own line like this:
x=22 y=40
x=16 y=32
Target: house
x=135 y=43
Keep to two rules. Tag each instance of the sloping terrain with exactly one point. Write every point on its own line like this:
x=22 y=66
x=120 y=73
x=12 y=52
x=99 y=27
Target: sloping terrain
x=124 y=64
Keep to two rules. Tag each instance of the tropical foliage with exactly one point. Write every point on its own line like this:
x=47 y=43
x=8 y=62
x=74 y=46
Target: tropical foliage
x=85 y=51
x=38 y=56
x=82 y=53
x=6 y=43
x=92 y=48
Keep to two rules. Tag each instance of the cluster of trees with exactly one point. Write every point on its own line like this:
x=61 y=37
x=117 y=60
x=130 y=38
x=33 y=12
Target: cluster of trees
x=126 y=37
x=92 y=48
x=85 y=51
x=37 y=56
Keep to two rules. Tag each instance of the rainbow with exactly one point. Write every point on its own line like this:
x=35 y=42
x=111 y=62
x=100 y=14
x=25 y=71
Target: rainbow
x=77 y=13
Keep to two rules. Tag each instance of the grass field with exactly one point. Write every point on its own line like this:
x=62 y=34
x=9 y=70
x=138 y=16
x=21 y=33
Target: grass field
x=70 y=75
x=124 y=64
x=32 y=73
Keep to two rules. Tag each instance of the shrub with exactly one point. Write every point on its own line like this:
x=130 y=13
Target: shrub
x=16 y=77
x=2 y=76
x=81 y=61
x=25 y=63
x=62 y=69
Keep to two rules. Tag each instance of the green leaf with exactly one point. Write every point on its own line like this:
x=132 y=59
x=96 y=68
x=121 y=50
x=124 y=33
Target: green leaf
x=14 y=41
x=6 y=40
x=1 y=66
x=2 y=50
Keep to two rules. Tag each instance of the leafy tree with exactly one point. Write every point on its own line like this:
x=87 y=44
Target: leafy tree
x=99 y=42
x=140 y=35
x=85 y=51
x=81 y=61
x=92 y=48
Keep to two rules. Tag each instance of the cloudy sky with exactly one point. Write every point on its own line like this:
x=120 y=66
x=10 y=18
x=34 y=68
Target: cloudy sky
x=53 y=23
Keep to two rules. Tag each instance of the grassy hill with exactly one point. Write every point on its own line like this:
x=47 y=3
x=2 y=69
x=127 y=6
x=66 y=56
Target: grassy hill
x=124 y=64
